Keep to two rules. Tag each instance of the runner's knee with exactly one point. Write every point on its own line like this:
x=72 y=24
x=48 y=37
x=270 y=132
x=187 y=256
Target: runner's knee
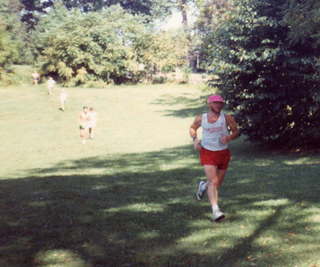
x=213 y=182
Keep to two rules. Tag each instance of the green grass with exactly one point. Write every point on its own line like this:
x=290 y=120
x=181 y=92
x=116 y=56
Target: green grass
x=126 y=198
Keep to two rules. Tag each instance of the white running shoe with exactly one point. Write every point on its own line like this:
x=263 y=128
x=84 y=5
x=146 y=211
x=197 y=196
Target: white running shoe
x=202 y=188
x=218 y=216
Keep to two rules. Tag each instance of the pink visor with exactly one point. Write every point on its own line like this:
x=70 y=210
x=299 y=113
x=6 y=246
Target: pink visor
x=215 y=98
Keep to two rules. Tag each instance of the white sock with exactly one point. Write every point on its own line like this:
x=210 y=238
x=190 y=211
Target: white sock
x=215 y=208
x=204 y=186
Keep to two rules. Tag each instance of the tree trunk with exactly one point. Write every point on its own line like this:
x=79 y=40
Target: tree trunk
x=182 y=4
x=183 y=7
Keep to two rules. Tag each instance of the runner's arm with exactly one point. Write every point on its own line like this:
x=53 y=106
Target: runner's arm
x=233 y=126
x=194 y=127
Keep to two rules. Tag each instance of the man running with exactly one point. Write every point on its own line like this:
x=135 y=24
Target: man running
x=63 y=97
x=213 y=148
x=50 y=84
x=92 y=121
x=83 y=121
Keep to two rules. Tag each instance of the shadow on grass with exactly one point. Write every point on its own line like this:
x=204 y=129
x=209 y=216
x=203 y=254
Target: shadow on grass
x=136 y=211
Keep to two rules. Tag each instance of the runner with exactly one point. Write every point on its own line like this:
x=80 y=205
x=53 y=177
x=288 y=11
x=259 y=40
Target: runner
x=35 y=77
x=213 y=149
x=50 y=84
x=63 y=98
x=92 y=121
x=83 y=119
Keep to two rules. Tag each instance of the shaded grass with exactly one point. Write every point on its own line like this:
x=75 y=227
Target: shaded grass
x=132 y=205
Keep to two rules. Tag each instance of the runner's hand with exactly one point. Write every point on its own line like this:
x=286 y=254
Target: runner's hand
x=196 y=144
x=225 y=139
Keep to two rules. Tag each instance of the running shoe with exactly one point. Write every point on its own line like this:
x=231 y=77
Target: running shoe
x=218 y=216
x=202 y=187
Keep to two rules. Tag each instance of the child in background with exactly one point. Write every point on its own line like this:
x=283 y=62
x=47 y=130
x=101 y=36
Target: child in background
x=92 y=121
x=63 y=98
x=83 y=121
x=50 y=84
x=35 y=77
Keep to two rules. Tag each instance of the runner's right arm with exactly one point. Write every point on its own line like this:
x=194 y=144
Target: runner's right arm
x=193 y=132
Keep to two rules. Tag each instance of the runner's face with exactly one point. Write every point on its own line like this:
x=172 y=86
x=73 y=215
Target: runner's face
x=216 y=106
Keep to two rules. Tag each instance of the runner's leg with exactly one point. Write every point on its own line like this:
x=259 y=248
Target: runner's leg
x=212 y=174
x=212 y=191
x=90 y=132
x=221 y=174
x=83 y=135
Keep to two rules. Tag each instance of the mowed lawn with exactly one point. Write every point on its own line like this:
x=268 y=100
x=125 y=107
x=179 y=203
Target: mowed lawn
x=126 y=198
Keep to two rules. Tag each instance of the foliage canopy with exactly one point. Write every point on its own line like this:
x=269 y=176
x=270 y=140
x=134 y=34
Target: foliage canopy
x=110 y=46
x=270 y=82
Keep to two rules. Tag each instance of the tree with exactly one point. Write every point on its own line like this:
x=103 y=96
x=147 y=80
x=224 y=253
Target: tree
x=271 y=83
x=302 y=18
x=110 y=46
x=183 y=7
x=152 y=8
x=8 y=53
x=10 y=16
x=164 y=51
x=9 y=10
x=211 y=13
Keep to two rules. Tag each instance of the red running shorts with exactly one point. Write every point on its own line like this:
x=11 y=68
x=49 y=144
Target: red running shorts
x=217 y=158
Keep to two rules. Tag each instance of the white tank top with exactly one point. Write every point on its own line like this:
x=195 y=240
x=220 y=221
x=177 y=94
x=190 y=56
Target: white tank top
x=212 y=132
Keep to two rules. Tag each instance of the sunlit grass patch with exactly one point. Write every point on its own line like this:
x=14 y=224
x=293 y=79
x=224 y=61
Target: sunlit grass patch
x=303 y=161
x=141 y=207
x=55 y=258
x=272 y=202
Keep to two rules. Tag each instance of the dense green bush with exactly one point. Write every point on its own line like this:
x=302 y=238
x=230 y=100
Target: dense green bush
x=271 y=83
x=8 y=54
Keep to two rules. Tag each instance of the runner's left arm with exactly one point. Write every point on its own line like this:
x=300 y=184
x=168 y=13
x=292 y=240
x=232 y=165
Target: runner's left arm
x=234 y=129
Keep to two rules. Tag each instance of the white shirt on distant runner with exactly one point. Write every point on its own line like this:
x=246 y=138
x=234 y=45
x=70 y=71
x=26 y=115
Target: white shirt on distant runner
x=51 y=83
x=63 y=95
x=92 y=119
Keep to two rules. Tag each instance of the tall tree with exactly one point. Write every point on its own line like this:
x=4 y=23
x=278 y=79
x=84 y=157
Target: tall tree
x=32 y=9
x=9 y=15
x=8 y=54
x=211 y=13
x=302 y=18
x=151 y=8
x=183 y=7
x=10 y=21
x=271 y=83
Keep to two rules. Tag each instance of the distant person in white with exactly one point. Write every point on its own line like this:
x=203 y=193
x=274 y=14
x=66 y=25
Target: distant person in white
x=63 y=97
x=92 y=121
x=51 y=84
x=83 y=121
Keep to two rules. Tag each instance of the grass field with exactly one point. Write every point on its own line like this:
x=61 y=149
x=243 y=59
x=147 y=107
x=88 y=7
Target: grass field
x=126 y=197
